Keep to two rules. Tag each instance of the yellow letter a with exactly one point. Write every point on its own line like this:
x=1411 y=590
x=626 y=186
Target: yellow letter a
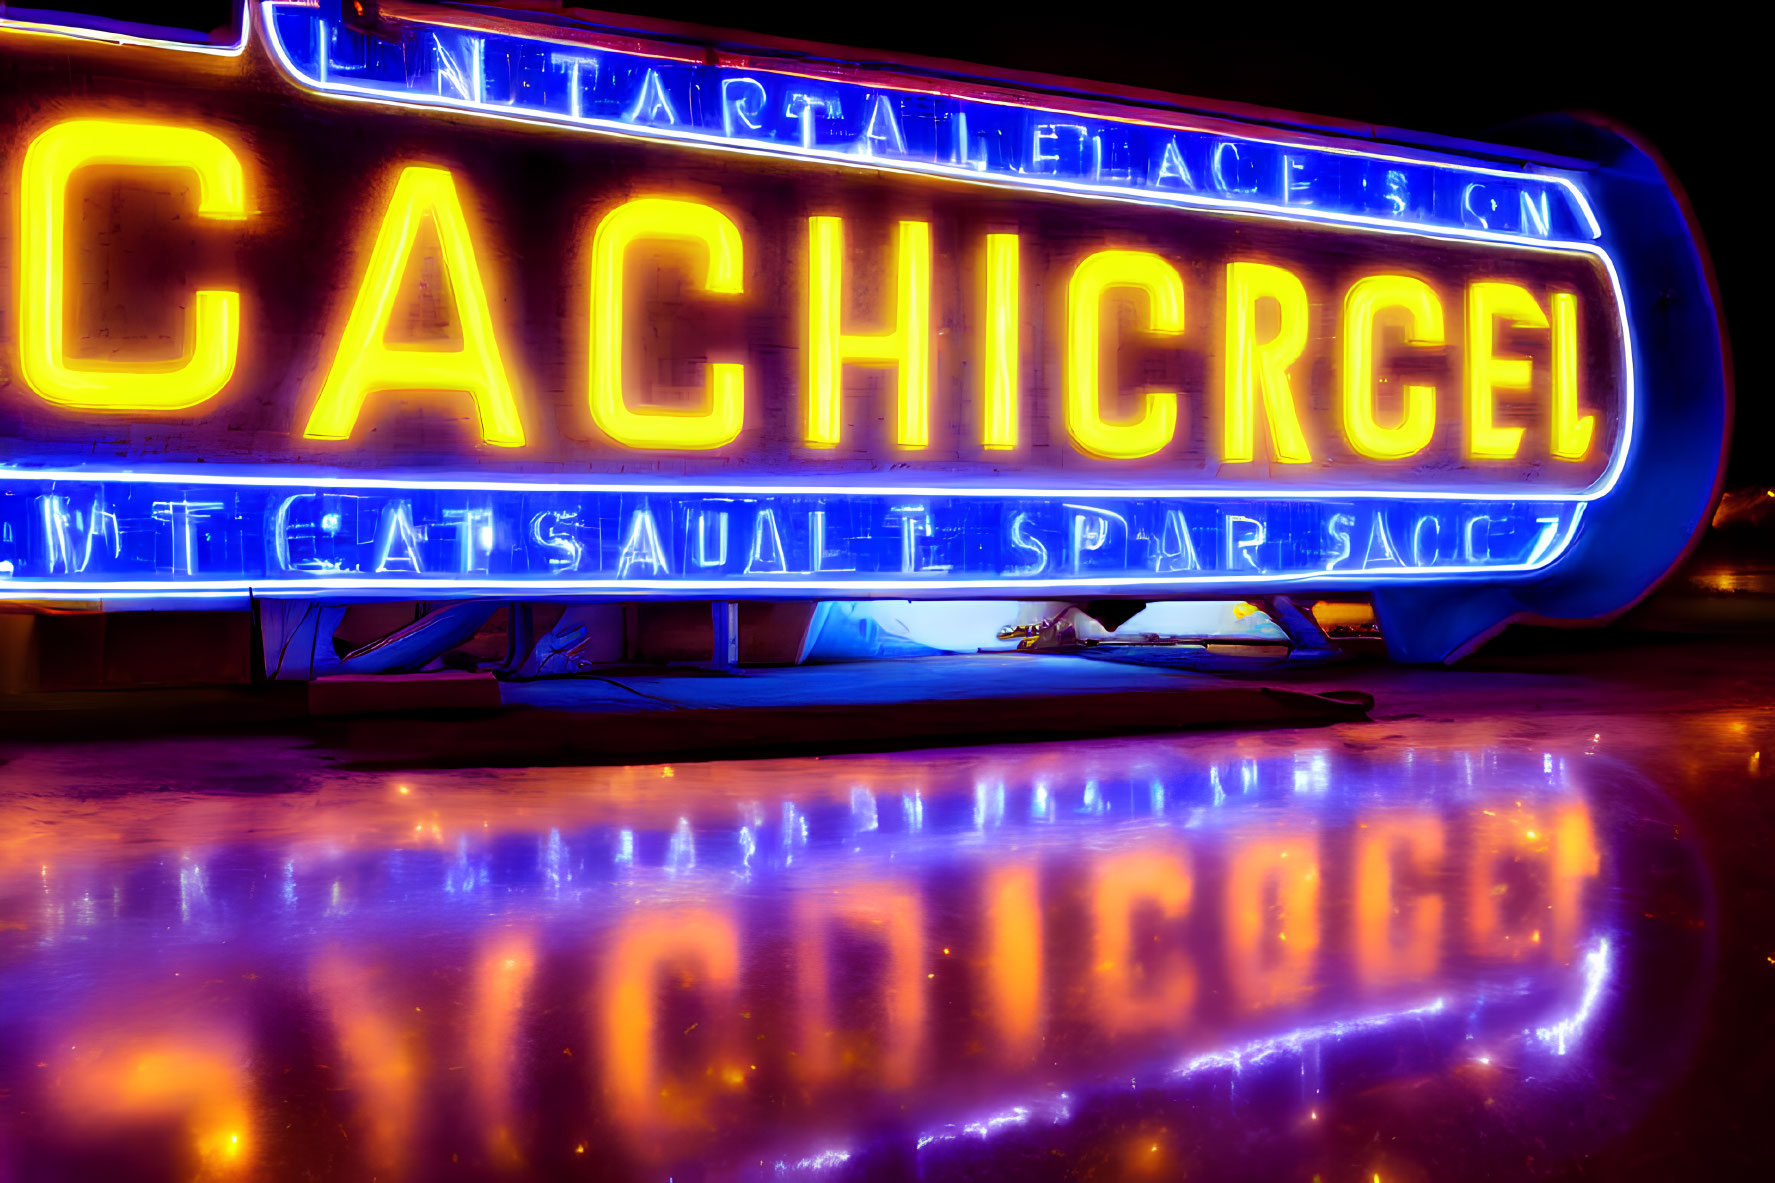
x=365 y=363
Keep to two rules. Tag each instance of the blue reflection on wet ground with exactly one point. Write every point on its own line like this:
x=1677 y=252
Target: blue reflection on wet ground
x=1212 y=956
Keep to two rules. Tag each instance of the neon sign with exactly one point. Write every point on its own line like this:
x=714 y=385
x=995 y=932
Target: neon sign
x=487 y=307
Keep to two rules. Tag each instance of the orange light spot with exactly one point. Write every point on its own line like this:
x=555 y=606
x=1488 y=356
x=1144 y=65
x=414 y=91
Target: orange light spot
x=1014 y=958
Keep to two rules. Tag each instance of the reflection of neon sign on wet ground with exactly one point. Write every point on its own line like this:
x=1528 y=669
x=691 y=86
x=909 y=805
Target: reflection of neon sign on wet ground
x=931 y=338
x=876 y=938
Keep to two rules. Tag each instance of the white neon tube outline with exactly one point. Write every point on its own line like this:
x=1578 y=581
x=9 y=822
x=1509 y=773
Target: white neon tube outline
x=601 y=125
x=837 y=155
x=1162 y=199
x=12 y=24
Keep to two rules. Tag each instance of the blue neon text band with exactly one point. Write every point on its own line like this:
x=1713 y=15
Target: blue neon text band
x=584 y=85
x=127 y=536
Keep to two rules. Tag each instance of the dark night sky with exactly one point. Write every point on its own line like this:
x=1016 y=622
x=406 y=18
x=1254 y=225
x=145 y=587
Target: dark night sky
x=1683 y=83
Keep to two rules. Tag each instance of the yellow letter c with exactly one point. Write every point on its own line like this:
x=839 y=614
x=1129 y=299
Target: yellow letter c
x=1091 y=281
x=212 y=327
x=1368 y=296
x=670 y=219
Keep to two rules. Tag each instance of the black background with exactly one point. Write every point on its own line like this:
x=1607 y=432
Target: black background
x=1680 y=77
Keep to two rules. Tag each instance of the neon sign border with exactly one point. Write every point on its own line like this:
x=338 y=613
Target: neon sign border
x=1599 y=488
x=691 y=589
x=595 y=125
x=12 y=24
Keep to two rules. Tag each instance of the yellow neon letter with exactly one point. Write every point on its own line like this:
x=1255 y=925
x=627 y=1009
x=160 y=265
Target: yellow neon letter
x=365 y=363
x=212 y=325
x=907 y=347
x=1571 y=435
x=1486 y=373
x=1368 y=296
x=660 y=427
x=1250 y=365
x=1003 y=356
x=1091 y=281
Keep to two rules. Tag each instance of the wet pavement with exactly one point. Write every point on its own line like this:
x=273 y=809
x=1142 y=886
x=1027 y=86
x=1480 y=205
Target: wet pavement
x=1516 y=926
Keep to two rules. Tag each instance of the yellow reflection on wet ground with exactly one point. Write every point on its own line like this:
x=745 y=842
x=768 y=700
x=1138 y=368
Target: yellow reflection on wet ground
x=1167 y=957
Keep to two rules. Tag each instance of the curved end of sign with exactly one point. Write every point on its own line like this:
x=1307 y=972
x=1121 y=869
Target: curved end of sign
x=1697 y=241
x=1673 y=476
